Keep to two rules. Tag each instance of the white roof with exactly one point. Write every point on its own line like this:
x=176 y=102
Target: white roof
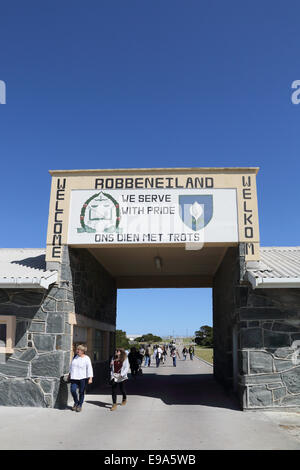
x=278 y=267
x=24 y=268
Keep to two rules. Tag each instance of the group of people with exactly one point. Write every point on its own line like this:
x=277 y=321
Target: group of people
x=159 y=354
x=81 y=370
x=190 y=351
x=175 y=353
x=143 y=356
x=81 y=374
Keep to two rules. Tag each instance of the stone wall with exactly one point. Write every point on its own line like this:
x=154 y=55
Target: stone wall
x=266 y=322
x=94 y=288
x=95 y=296
x=267 y=325
x=225 y=300
x=33 y=374
x=269 y=334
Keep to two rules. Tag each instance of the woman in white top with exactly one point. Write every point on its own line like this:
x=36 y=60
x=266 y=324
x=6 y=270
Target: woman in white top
x=119 y=367
x=81 y=373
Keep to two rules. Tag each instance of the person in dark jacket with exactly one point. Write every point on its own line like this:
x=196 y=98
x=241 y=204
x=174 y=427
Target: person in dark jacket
x=191 y=352
x=135 y=361
x=184 y=352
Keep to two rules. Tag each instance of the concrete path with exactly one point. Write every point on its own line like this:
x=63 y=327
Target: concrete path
x=168 y=408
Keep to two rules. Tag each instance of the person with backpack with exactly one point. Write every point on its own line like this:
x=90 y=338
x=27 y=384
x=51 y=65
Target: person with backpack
x=135 y=361
x=80 y=374
x=119 y=367
x=191 y=352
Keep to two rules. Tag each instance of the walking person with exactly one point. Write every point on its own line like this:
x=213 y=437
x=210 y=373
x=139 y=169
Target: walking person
x=80 y=374
x=184 y=353
x=162 y=357
x=119 y=370
x=135 y=360
x=147 y=356
x=142 y=351
x=191 y=352
x=173 y=355
x=158 y=355
x=164 y=354
x=154 y=352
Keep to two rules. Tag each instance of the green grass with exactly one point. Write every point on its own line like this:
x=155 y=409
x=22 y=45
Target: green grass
x=205 y=353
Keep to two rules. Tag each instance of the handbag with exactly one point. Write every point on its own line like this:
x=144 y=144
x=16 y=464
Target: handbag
x=116 y=378
x=66 y=379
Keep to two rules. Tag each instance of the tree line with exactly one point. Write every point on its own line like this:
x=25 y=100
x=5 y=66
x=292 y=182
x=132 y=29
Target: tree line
x=203 y=337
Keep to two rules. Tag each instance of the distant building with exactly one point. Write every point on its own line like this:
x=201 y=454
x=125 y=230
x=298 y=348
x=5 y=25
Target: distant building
x=132 y=337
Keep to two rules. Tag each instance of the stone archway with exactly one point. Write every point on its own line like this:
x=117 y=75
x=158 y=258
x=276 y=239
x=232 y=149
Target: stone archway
x=203 y=233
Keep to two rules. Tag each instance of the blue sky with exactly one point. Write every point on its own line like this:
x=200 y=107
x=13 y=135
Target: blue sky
x=120 y=84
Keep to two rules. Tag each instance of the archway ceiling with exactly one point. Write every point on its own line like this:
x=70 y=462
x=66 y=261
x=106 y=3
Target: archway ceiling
x=135 y=266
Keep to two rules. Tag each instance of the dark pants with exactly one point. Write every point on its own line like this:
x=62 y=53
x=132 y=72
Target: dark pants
x=147 y=361
x=80 y=385
x=157 y=360
x=134 y=369
x=114 y=390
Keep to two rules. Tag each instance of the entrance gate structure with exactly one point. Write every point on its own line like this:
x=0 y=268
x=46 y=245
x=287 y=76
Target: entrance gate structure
x=150 y=228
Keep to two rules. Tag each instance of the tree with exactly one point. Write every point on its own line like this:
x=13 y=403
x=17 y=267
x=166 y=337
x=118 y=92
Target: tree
x=204 y=336
x=121 y=340
x=148 y=338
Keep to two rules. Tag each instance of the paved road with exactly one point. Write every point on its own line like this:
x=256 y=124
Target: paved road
x=168 y=408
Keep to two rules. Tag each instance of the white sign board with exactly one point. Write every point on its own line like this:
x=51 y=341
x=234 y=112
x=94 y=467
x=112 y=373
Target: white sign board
x=153 y=216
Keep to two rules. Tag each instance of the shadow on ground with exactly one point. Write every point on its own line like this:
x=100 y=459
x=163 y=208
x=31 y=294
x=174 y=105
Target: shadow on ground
x=175 y=389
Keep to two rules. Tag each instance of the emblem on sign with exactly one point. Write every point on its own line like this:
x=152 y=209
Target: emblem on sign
x=196 y=211
x=100 y=213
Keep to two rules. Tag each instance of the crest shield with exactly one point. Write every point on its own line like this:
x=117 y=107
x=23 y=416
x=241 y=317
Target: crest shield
x=196 y=211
